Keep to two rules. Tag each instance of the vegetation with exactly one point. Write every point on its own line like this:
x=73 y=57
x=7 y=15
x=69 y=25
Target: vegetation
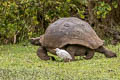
x=18 y=62
x=22 y=19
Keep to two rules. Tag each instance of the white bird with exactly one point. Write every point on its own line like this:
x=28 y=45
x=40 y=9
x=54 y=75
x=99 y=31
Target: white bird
x=63 y=54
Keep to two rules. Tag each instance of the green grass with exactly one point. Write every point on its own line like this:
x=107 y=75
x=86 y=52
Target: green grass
x=18 y=62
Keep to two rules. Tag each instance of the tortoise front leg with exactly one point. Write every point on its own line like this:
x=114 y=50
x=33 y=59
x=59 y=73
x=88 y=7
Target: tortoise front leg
x=42 y=53
x=89 y=54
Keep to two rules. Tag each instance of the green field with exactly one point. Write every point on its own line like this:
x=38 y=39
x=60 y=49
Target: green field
x=18 y=62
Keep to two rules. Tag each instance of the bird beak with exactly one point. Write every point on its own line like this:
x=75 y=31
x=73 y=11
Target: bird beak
x=54 y=49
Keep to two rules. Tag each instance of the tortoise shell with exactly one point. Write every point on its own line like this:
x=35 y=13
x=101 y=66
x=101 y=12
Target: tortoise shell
x=71 y=30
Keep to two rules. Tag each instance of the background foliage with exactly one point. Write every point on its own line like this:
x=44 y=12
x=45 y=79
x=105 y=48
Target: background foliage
x=23 y=19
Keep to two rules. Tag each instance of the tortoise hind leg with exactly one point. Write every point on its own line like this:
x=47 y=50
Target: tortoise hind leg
x=42 y=54
x=71 y=51
x=89 y=54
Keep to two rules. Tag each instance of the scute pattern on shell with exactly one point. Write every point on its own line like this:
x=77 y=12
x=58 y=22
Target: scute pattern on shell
x=71 y=31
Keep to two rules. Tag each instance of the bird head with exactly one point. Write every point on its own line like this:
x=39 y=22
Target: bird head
x=57 y=49
x=37 y=41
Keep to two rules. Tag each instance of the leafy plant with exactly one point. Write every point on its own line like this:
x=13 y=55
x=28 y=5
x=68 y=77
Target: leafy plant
x=102 y=9
x=23 y=19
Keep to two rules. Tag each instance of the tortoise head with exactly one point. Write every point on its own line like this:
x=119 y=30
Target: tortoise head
x=36 y=41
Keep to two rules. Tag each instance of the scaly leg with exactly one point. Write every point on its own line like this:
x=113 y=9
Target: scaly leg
x=42 y=54
x=89 y=54
x=71 y=51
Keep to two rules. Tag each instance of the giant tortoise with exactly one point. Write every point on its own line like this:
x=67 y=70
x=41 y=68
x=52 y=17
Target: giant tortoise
x=73 y=35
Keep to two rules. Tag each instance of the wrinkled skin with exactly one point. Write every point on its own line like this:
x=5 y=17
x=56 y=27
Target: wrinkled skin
x=74 y=50
x=42 y=54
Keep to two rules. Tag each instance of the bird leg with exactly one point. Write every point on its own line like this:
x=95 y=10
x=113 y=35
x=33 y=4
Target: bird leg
x=67 y=60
